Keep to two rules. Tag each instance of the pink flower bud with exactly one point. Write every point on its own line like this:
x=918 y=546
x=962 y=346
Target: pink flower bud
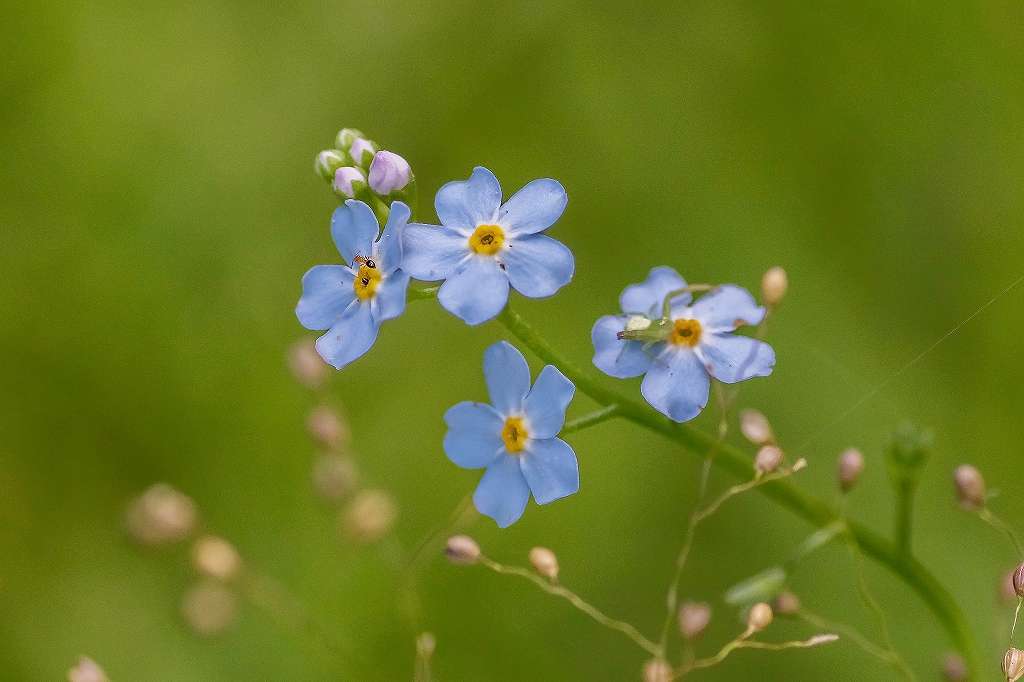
x=851 y=464
x=1013 y=664
x=389 y=172
x=343 y=179
x=362 y=151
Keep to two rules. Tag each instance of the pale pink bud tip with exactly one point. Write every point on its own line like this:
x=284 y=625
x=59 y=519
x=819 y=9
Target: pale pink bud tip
x=86 y=670
x=343 y=179
x=216 y=558
x=327 y=428
x=657 y=670
x=768 y=459
x=462 y=549
x=970 y=487
x=544 y=562
x=851 y=464
x=755 y=427
x=786 y=604
x=306 y=365
x=389 y=172
x=954 y=669
x=759 y=617
x=1013 y=664
x=774 y=284
x=693 y=619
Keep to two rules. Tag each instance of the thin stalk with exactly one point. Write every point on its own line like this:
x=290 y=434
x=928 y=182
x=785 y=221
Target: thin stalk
x=904 y=515
x=991 y=519
x=587 y=420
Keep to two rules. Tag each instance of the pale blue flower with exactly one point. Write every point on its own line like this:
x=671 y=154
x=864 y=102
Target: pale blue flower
x=483 y=246
x=515 y=437
x=351 y=301
x=680 y=354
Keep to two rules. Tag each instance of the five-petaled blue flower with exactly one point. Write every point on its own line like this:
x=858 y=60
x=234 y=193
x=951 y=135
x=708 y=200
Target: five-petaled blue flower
x=351 y=301
x=679 y=347
x=483 y=246
x=514 y=437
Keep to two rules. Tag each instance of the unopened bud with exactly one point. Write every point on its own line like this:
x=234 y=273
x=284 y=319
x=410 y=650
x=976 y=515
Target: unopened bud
x=786 y=604
x=370 y=516
x=462 y=549
x=1007 y=593
x=774 y=284
x=348 y=181
x=544 y=562
x=216 y=558
x=1013 y=664
x=953 y=668
x=768 y=459
x=759 y=617
x=209 y=608
x=1018 y=581
x=389 y=172
x=327 y=162
x=657 y=670
x=346 y=136
x=755 y=427
x=327 y=428
x=334 y=477
x=308 y=368
x=851 y=464
x=362 y=151
x=87 y=670
x=161 y=516
x=425 y=645
x=693 y=619
x=970 y=487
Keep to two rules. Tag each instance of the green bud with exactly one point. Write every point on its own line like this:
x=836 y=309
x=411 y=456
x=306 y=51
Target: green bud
x=329 y=161
x=908 y=453
x=762 y=587
x=346 y=136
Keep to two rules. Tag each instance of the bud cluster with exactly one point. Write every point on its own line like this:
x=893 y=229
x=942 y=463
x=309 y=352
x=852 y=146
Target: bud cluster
x=357 y=169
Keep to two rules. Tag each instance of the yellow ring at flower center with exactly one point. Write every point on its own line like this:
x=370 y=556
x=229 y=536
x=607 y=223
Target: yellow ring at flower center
x=487 y=239
x=686 y=333
x=514 y=434
x=366 y=282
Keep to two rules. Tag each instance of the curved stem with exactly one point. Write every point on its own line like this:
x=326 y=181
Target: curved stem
x=587 y=420
x=730 y=458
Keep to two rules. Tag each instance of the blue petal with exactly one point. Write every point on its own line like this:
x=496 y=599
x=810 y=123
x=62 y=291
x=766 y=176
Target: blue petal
x=551 y=470
x=727 y=308
x=538 y=265
x=326 y=292
x=647 y=297
x=468 y=203
x=507 y=376
x=476 y=292
x=389 y=302
x=350 y=338
x=502 y=493
x=677 y=384
x=388 y=249
x=733 y=358
x=613 y=356
x=473 y=440
x=354 y=228
x=431 y=253
x=545 y=406
x=534 y=208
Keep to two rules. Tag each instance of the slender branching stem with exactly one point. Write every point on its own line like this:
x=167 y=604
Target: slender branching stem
x=588 y=420
x=986 y=515
x=848 y=631
x=744 y=642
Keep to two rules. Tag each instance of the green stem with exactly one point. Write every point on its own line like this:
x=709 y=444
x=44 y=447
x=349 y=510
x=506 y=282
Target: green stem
x=904 y=514
x=735 y=461
x=595 y=417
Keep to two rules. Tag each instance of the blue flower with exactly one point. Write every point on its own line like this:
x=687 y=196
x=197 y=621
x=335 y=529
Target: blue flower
x=514 y=437
x=351 y=301
x=680 y=350
x=483 y=246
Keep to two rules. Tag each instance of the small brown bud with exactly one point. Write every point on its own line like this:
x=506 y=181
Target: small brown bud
x=759 y=617
x=334 y=477
x=544 y=562
x=1007 y=592
x=657 y=670
x=1018 y=581
x=774 y=284
x=851 y=464
x=953 y=668
x=370 y=516
x=970 y=487
x=87 y=670
x=462 y=549
x=161 y=516
x=755 y=427
x=768 y=459
x=306 y=365
x=216 y=558
x=209 y=608
x=425 y=645
x=327 y=428
x=693 y=619
x=786 y=604
x=1013 y=664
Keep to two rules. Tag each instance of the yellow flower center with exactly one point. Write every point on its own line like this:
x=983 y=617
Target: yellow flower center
x=487 y=239
x=366 y=282
x=686 y=333
x=514 y=434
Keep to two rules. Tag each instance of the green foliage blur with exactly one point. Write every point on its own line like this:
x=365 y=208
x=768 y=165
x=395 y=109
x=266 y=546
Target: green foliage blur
x=158 y=208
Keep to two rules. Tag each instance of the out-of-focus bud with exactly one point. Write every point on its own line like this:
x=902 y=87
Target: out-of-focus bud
x=87 y=670
x=328 y=161
x=759 y=617
x=334 y=477
x=216 y=558
x=774 y=284
x=786 y=604
x=327 y=428
x=1013 y=664
x=851 y=464
x=348 y=181
x=953 y=668
x=346 y=136
x=362 y=151
x=693 y=619
x=768 y=459
x=308 y=368
x=161 y=516
x=755 y=427
x=544 y=562
x=209 y=608
x=1007 y=592
x=425 y=645
x=370 y=516
x=389 y=173
x=462 y=549
x=657 y=670
x=970 y=487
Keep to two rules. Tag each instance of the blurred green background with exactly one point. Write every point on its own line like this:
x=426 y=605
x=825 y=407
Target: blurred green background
x=159 y=208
